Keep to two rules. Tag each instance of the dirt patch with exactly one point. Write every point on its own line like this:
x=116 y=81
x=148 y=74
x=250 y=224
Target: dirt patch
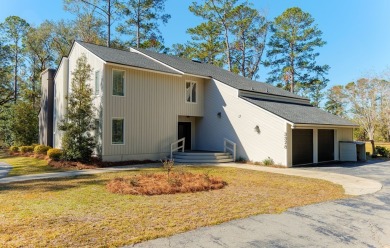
x=159 y=184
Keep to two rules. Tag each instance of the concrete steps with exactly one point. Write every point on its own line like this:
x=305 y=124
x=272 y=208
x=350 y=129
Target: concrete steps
x=202 y=157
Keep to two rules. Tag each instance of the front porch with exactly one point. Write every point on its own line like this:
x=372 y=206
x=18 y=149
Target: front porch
x=202 y=157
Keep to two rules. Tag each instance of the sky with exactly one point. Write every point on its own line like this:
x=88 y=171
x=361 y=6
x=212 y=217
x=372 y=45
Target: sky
x=357 y=32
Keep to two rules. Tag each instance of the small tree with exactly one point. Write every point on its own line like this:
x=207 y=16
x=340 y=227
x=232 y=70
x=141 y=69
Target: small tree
x=77 y=142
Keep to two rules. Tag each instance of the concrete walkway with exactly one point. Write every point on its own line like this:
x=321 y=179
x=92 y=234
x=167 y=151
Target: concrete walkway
x=4 y=169
x=73 y=173
x=351 y=184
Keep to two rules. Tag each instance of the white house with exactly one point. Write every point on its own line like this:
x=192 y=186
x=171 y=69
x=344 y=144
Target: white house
x=147 y=101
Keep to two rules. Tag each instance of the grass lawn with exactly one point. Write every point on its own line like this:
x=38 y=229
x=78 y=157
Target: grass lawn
x=26 y=165
x=80 y=211
x=369 y=147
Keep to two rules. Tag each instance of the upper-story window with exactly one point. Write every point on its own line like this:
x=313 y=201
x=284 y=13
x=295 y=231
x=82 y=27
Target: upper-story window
x=118 y=83
x=97 y=82
x=191 y=92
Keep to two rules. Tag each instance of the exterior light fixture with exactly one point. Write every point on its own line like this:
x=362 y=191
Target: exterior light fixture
x=257 y=129
x=219 y=114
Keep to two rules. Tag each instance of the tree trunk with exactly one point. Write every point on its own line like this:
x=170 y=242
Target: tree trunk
x=138 y=24
x=373 y=147
x=228 y=57
x=16 y=77
x=109 y=23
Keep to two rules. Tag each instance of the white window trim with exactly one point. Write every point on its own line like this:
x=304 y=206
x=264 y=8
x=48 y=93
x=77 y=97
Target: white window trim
x=124 y=82
x=196 y=92
x=124 y=131
x=98 y=86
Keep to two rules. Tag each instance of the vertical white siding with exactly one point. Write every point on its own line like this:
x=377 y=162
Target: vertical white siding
x=150 y=108
x=343 y=134
x=60 y=93
x=63 y=86
x=237 y=123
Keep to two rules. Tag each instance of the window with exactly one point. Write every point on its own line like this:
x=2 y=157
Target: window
x=191 y=92
x=97 y=82
x=118 y=79
x=97 y=129
x=117 y=131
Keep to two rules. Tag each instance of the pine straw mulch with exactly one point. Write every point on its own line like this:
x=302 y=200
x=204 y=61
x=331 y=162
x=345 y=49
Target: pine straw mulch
x=159 y=184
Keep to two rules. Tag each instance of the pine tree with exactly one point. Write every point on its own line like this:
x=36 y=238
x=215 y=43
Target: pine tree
x=77 y=142
x=292 y=54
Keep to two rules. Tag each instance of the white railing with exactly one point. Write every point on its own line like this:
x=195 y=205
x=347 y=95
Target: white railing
x=178 y=147
x=232 y=149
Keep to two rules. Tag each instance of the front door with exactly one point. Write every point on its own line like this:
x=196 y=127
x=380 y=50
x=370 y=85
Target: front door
x=184 y=131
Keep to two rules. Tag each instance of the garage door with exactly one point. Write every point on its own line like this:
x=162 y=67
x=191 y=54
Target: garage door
x=325 y=145
x=302 y=146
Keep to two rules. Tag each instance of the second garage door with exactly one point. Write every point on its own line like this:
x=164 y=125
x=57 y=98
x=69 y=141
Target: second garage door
x=325 y=145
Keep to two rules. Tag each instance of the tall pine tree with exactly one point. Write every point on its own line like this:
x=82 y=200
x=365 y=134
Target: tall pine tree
x=292 y=54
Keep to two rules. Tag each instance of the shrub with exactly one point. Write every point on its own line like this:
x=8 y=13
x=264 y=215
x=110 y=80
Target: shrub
x=383 y=151
x=54 y=154
x=41 y=149
x=34 y=145
x=168 y=166
x=14 y=149
x=25 y=149
x=268 y=161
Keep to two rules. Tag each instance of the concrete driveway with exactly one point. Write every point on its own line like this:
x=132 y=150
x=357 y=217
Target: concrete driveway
x=362 y=221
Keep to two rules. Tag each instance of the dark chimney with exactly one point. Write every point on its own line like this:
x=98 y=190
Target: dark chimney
x=47 y=108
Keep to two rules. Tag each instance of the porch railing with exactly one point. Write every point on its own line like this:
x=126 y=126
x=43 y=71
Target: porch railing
x=230 y=146
x=176 y=143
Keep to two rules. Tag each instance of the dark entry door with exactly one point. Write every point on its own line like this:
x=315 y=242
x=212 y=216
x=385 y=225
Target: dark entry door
x=302 y=146
x=325 y=145
x=184 y=130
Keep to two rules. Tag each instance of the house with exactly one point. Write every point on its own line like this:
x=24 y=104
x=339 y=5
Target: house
x=147 y=101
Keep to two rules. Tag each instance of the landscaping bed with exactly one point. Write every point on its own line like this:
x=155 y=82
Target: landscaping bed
x=162 y=183
x=81 y=212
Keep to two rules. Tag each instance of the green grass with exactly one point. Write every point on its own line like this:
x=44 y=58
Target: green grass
x=26 y=165
x=81 y=212
x=369 y=147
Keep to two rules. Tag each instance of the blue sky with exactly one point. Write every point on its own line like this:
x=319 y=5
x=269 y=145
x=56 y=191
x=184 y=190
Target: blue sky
x=356 y=31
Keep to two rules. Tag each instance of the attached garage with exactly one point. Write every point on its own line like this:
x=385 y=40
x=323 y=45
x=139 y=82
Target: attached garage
x=312 y=135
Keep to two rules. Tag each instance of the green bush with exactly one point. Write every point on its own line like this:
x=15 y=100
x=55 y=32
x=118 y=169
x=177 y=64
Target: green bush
x=34 y=145
x=268 y=161
x=41 y=149
x=54 y=154
x=383 y=151
x=25 y=149
x=14 y=149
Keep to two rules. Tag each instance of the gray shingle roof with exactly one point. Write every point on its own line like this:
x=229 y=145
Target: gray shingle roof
x=300 y=113
x=208 y=70
x=126 y=58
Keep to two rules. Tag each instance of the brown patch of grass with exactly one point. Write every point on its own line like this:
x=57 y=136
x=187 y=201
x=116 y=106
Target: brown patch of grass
x=80 y=212
x=159 y=184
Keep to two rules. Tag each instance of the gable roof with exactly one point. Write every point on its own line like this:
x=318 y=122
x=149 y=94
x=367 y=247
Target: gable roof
x=127 y=58
x=207 y=70
x=296 y=113
x=300 y=113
